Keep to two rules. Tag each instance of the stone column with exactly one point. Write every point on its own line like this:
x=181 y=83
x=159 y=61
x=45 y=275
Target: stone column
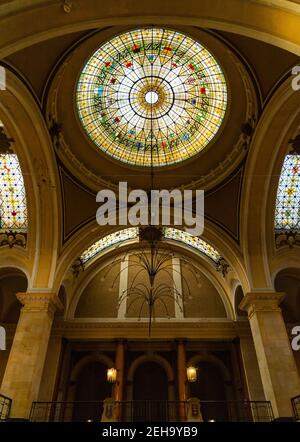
x=182 y=379
x=119 y=386
x=276 y=362
x=51 y=368
x=22 y=378
x=251 y=369
x=119 y=365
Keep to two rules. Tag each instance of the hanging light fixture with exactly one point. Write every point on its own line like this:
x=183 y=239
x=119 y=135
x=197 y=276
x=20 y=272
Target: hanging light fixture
x=191 y=374
x=153 y=257
x=112 y=375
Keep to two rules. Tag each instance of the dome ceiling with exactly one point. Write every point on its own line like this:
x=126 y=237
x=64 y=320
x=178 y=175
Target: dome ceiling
x=178 y=100
x=151 y=96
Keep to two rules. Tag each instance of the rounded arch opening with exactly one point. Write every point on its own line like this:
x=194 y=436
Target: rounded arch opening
x=12 y=281
x=213 y=387
x=288 y=281
x=238 y=297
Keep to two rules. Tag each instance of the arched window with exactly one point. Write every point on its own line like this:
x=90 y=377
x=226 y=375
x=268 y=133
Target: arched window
x=13 y=207
x=287 y=214
x=133 y=233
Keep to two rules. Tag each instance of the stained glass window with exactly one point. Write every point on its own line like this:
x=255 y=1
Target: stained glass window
x=13 y=209
x=192 y=241
x=108 y=241
x=133 y=233
x=151 y=96
x=287 y=214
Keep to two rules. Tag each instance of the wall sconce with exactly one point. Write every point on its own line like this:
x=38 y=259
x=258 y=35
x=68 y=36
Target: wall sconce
x=112 y=375
x=191 y=374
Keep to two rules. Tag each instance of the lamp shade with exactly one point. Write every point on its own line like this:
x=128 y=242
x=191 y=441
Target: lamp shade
x=112 y=375
x=191 y=374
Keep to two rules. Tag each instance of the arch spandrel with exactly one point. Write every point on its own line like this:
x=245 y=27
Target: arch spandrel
x=268 y=149
x=24 y=122
x=47 y=20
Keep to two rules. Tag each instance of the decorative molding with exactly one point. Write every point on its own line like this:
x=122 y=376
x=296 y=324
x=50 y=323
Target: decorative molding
x=248 y=129
x=55 y=132
x=39 y=302
x=139 y=330
x=5 y=142
x=261 y=302
x=12 y=239
x=222 y=266
x=77 y=267
x=288 y=238
x=295 y=145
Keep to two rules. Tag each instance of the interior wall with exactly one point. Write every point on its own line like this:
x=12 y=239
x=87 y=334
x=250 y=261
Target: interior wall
x=202 y=299
x=100 y=298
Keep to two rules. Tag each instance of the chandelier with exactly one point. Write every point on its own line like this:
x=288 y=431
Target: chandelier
x=153 y=259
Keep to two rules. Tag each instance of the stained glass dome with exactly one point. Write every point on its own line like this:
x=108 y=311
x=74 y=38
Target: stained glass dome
x=151 y=96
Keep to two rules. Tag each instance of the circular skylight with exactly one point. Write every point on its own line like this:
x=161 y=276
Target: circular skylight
x=151 y=95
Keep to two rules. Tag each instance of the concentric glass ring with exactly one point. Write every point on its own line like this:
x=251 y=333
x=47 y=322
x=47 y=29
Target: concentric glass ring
x=151 y=95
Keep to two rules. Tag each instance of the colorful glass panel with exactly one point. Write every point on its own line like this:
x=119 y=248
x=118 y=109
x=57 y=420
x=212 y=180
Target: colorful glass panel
x=151 y=96
x=192 y=241
x=13 y=209
x=108 y=241
x=133 y=233
x=287 y=213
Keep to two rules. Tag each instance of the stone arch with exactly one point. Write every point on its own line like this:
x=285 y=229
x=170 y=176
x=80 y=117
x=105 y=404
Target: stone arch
x=288 y=281
x=194 y=360
x=238 y=297
x=81 y=364
x=267 y=151
x=94 y=357
x=12 y=281
x=47 y=21
x=25 y=124
x=151 y=357
x=213 y=235
x=211 y=359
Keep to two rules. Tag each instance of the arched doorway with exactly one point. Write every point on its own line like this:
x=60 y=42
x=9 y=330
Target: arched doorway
x=210 y=388
x=150 y=392
x=288 y=281
x=12 y=281
x=91 y=389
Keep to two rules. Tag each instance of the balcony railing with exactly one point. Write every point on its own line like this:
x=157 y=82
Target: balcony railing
x=237 y=411
x=5 y=405
x=296 y=407
x=152 y=411
x=66 y=411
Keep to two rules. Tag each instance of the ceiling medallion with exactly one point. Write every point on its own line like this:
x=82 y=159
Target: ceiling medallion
x=151 y=96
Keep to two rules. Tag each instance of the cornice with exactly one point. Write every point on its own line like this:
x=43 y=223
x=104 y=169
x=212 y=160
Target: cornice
x=261 y=302
x=39 y=302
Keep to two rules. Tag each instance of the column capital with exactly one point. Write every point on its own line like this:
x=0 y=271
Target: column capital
x=39 y=301
x=261 y=302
